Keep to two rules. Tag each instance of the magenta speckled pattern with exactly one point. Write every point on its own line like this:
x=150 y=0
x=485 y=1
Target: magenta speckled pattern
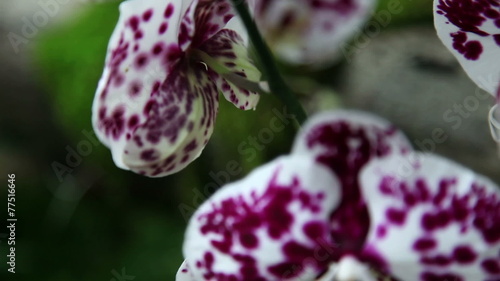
x=269 y=226
x=470 y=29
x=432 y=219
x=352 y=201
x=469 y=16
x=156 y=103
x=226 y=46
x=345 y=142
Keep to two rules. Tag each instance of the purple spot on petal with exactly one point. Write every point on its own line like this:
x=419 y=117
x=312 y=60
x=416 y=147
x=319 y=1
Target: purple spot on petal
x=134 y=23
x=150 y=155
x=147 y=15
x=424 y=244
x=169 y=10
x=163 y=28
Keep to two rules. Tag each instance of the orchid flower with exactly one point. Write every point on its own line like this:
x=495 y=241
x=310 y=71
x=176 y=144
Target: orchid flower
x=351 y=202
x=470 y=29
x=309 y=31
x=167 y=61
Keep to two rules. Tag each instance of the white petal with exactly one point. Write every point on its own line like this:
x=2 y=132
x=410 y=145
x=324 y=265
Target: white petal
x=431 y=219
x=142 y=51
x=270 y=226
x=471 y=31
x=350 y=134
x=208 y=19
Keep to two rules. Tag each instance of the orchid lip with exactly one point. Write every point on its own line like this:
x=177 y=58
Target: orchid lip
x=226 y=73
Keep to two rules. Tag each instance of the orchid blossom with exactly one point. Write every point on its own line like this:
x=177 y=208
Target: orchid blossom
x=309 y=31
x=470 y=29
x=352 y=201
x=167 y=61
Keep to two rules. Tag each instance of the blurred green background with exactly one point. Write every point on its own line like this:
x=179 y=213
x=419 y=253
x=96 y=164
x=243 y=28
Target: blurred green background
x=94 y=221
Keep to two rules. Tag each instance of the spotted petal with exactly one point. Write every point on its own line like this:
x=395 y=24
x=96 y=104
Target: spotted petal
x=432 y=219
x=351 y=136
x=471 y=31
x=204 y=19
x=179 y=120
x=142 y=51
x=228 y=49
x=270 y=226
x=310 y=32
x=345 y=141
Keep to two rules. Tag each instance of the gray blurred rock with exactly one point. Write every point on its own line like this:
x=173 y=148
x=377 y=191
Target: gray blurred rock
x=410 y=78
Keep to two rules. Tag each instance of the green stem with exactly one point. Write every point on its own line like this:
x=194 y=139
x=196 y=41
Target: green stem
x=276 y=83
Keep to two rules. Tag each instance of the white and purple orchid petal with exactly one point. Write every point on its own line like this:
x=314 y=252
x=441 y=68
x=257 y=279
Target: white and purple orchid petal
x=142 y=51
x=270 y=226
x=431 y=219
x=310 y=32
x=345 y=141
x=178 y=121
x=351 y=136
x=228 y=50
x=471 y=31
x=204 y=19
x=184 y=273
x=187 y=27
